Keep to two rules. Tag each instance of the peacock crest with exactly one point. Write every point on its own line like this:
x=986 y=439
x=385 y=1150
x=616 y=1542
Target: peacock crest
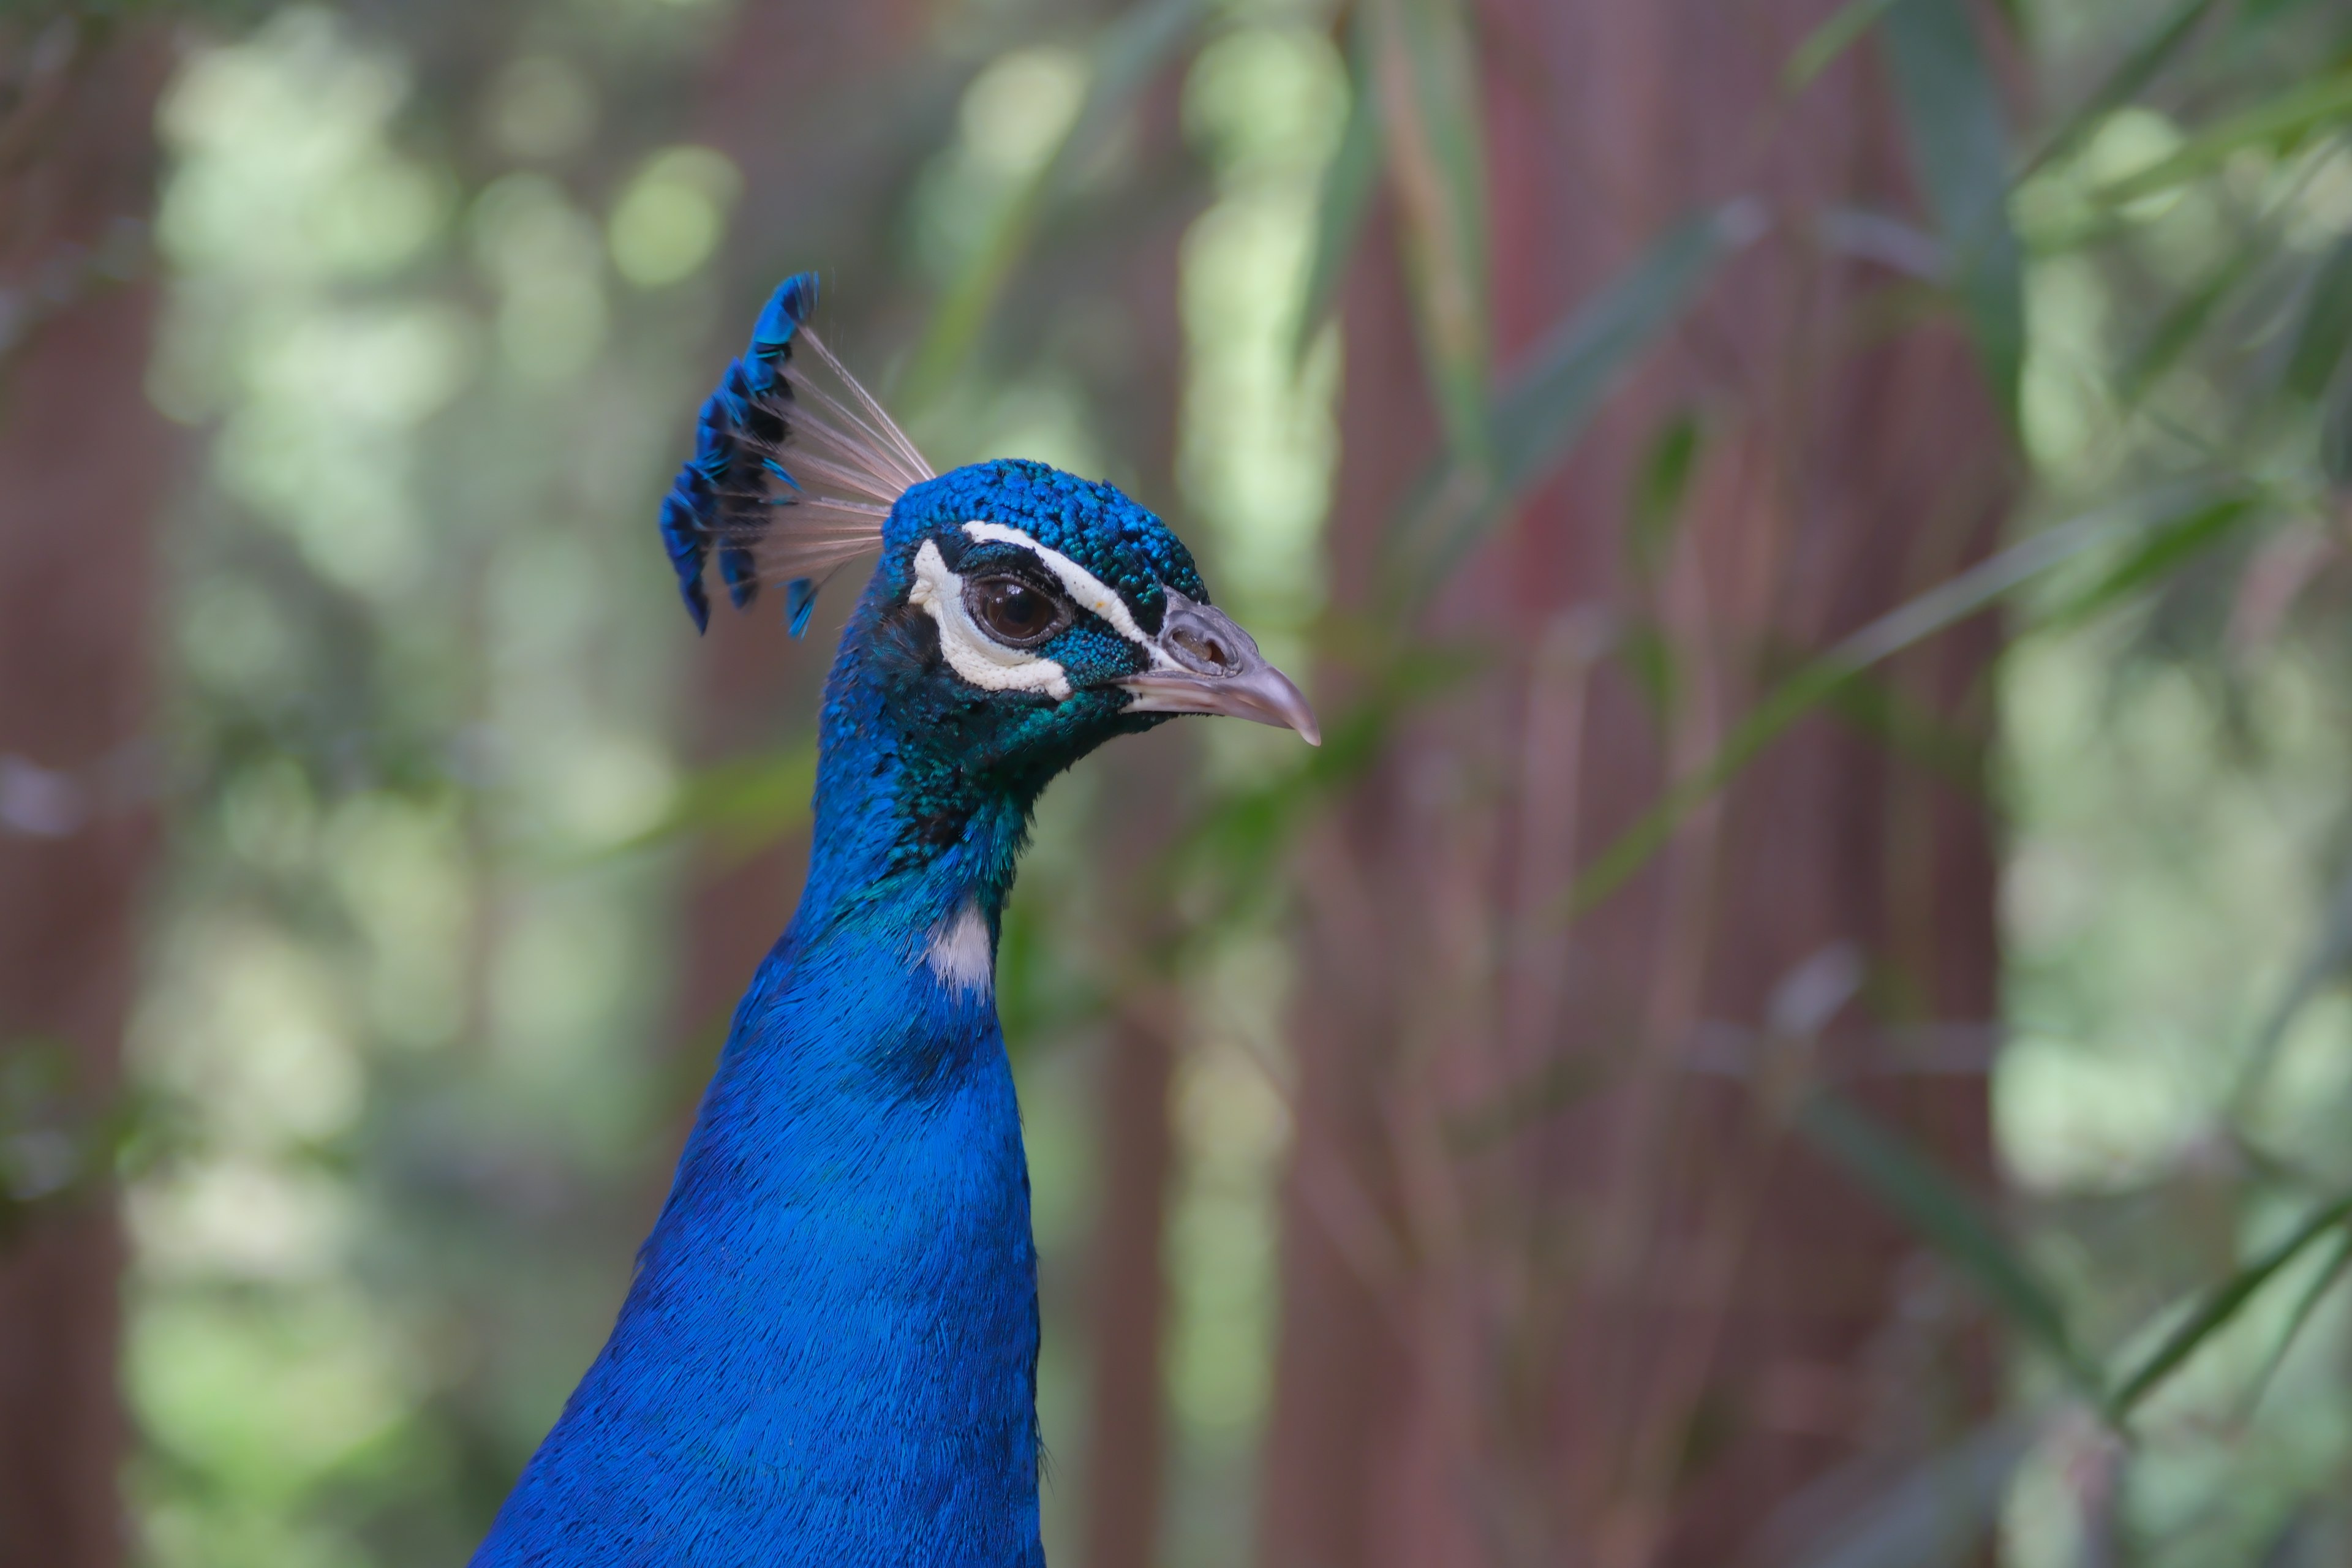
x=790 y=477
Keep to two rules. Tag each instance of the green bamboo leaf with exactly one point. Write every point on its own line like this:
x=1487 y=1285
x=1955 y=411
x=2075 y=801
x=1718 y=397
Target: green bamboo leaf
x=1825 y=43
x=2325 y=325
x=2130 y=78
x=1237 y=845
x=2283 y=119
x=1904 y=727
x=1347 y=196
x=1660 y=487
x=2336 y=432
x=1938 y=1512
x=2330 y=955
x=2330 y=1273
x=2165 y=547
x=1125 y=60
x=2179 y=327
x=2221 y=1305
x=1952 y=118
x=1563 y=1082
x=1549 y=403
x=1431 y=109
x=1940 y=1213
x=1563 y=383
x=1940 y=608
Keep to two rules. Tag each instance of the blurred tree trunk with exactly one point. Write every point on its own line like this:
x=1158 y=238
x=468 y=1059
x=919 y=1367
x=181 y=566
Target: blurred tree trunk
x=1669 y=1317
x=83 y=460
x=1126 y=1304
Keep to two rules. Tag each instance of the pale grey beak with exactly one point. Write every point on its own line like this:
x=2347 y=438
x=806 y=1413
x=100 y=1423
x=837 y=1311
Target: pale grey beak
x=1219 y=670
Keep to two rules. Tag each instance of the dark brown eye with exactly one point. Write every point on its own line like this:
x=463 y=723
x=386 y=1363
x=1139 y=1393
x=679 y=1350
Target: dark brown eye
x=1013 y=612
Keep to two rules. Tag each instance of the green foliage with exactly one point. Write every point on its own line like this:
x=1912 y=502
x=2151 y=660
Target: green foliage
x=1429 y=107
x=1936 y=1513
x=417 y=932
x=2276 y=124
x=1348 y=185
x=2223 y=1303
x=1127 y=57
x=1942 y=1214
x=1553 y=395
x=1959 y=148
x=1846 y=26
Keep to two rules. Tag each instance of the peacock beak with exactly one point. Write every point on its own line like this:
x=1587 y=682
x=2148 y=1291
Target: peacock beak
x=1211 y=666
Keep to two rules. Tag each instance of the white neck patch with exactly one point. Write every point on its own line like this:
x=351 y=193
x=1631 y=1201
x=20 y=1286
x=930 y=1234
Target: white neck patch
x=971 y=652
x=959 y=953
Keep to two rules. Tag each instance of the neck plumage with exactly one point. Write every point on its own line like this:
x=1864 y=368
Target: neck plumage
x=829 y=1352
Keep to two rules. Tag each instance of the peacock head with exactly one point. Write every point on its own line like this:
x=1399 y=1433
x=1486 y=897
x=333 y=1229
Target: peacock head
x=1021 y=615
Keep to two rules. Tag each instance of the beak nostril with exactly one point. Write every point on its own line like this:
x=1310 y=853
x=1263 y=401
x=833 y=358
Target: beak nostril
x=1203 y=647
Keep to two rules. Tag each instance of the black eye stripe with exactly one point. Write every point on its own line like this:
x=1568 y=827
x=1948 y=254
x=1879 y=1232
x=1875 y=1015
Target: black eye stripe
x=991 y=559
x=972 y=559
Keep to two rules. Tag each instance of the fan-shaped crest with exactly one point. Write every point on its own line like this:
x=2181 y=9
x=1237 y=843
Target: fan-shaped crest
x=788 y=479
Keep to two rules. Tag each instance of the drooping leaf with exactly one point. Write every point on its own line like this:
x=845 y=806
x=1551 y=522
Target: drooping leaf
x=1938 y=1512
x=1348 y=187
x=2330 y=955
x=2326 y=325
x=2132 y=74
x=1940 y=1213
x=1905 y=727
x=1547 y=403
x=1953 y=121
x=1239 y=839
x=2283 y=119
x=1661 y=485
x=2336 y=432
x=2180 y=327
x=2162 y=550
x=1431 y=113
x=2331 y=1270
x=1125 y=58
x=1940 y=608
x=1559 y=1084
x=1825 y=43
x=2219 y=1307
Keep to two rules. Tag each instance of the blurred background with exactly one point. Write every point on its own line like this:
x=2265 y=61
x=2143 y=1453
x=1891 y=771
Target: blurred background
x=1796 y=1019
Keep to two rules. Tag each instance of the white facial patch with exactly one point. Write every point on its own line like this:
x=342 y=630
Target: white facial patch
x=959 y=952
x=971 y=652
x=1086 y=590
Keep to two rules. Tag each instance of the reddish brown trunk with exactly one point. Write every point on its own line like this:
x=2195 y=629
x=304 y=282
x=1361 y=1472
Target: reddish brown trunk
x=82 y=462
x=1127 y=1311
x=1623 y=1324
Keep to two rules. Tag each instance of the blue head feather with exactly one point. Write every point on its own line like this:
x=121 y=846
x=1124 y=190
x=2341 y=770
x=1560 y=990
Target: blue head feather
x=787 y=481
x=720 y=492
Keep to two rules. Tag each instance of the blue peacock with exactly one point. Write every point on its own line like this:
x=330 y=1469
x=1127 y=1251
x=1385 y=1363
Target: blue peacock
x=828 y=1353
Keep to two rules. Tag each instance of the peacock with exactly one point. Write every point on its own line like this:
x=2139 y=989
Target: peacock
x=828 y=1353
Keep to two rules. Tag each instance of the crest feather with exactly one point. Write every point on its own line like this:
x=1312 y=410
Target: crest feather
x=790 y=479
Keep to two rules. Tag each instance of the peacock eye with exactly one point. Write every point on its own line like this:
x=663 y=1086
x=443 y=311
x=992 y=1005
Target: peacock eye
x=1013 y=612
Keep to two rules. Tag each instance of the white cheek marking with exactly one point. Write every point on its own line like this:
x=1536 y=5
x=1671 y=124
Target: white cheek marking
x=971 y=652
x=1088 y=590
x=959 y=953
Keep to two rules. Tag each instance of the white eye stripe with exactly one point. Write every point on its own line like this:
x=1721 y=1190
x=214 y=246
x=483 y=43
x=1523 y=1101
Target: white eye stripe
x=1090 y=591
x=971 y=652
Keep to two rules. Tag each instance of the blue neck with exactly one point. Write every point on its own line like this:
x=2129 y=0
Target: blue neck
x=829 y=1353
